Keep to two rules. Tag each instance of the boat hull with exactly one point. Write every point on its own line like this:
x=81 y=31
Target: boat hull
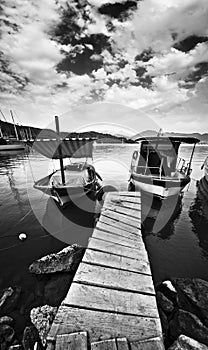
x=161 y=188
x=71 y=192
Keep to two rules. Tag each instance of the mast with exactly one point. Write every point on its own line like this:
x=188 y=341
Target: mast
x=60 y=152
x=192 y=153
x=1 y=133
x=15 y=129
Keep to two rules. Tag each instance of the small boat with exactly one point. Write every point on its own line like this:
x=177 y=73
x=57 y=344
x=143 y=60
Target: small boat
x=156 y=168
x=205 y=167
x=72 y=182
x=10 y=145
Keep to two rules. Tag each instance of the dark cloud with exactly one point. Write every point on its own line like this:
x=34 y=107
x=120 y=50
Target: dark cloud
x=118 y=10
x=190 y=43
x=200 y=70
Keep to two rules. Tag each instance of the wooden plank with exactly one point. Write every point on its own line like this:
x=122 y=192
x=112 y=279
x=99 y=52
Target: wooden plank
x=104 y=345
x=104 y=325
x=98 y=298
x=73 y=341
x=117 y=261
x=114 y=278
x=108 y=228
x=122 y=210
x=129 y=198
x=115 y=238
x=122 y=218
x=118 y=224
x=149 y=344
x=118 y=249
x=118 y=201
x=122 y=344
x=136 y=194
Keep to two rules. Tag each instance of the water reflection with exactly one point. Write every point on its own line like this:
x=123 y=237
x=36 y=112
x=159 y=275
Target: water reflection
x=198 y=213
x=160 y=217
x=72 y=224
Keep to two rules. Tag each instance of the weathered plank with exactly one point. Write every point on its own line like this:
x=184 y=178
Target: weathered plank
x=123 y=210
x=118 y=224
x=122 y=218
x=117 y=261
x=105 y=299
x=104 y=345
x=118 y=249
x=108 y=228
x=116 y=238
x=114 y=278
x=126 y=194
x=73 y=341
x=122 y=344
x=149 y=344
x=124 y=202
x=104 y=325
x=135 y=198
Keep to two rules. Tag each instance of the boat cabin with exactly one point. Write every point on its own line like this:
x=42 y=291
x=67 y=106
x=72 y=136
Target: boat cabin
x=158 y=156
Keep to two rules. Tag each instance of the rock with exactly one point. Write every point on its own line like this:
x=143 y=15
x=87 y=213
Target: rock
x=7 y=334
x=163 y=302
x=66 y=260
x=193 y=296
x=53 y=294
x=164 y=320
x=168 y=290
x=9 y=298
x=42 y=317
x=186 y=343
x=188 y=324
x=30 y=338
x=6 y=320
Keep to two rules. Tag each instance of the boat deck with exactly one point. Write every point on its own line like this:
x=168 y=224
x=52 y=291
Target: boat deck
x=111 y=304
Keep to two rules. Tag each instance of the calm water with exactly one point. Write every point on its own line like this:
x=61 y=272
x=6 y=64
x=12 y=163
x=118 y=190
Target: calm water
x=176 y=234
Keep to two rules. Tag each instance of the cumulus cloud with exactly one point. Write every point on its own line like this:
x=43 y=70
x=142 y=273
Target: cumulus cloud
x=136 y=59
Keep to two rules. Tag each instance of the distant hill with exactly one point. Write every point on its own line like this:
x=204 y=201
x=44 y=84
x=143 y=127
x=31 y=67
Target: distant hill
x=100 y=137
x=147 y=133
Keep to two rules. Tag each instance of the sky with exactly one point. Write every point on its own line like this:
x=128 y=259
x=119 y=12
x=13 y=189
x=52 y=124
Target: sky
x=116 y=65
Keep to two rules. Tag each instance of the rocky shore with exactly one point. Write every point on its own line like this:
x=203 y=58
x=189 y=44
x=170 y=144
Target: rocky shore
x=25 y=318
x=183 y=309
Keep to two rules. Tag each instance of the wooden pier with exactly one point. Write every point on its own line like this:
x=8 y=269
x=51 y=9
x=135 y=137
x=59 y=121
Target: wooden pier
x=111 y=303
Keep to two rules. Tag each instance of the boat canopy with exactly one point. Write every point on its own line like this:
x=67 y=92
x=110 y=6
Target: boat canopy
x=58 y=147
x=172 y=139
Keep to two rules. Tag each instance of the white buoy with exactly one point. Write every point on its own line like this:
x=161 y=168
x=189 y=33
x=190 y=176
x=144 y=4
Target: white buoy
x=22 y=236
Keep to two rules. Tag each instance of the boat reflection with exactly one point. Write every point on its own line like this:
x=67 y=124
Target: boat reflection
x=198 y=213
x=158 y=216
x=73 y=224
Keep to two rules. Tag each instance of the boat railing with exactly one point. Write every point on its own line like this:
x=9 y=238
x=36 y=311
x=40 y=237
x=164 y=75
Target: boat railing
x=183 y=166
x=142 y=169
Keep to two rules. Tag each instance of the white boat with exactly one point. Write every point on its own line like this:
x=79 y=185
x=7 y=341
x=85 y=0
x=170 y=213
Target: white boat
x=205 y=167
x=75 y=180
x=10 y=145
x=156 y=168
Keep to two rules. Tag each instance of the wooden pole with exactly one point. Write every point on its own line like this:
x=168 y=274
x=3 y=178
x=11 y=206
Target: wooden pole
x=1 y=133
x=192 y=153
x=60 y=152
x=15 y=129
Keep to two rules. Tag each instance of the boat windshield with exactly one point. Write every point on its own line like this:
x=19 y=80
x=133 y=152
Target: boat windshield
x=158 y=158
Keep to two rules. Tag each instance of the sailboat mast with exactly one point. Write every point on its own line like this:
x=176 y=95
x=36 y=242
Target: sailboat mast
x=15 y=129
x=60 y=152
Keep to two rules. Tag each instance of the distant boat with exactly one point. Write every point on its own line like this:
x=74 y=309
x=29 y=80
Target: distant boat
x=71 y=182
x=10 y=145
x=205 y=167
x=156 y=168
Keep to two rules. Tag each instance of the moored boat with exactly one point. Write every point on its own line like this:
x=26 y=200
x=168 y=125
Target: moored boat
x=75 y=180
x=157 y=169
x=205 y=167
